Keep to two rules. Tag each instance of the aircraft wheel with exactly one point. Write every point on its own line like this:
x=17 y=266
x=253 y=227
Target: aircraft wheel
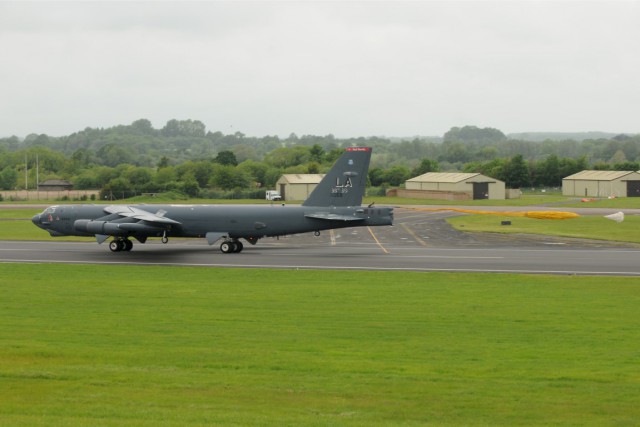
x=116 y=246
x=227 y=247
x=239 y=247
x=128 y=245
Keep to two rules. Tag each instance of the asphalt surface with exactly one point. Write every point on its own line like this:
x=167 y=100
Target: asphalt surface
x=419 y=241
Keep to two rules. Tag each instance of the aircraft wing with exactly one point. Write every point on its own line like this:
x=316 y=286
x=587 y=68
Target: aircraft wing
x=333 y=217
x=139 y=214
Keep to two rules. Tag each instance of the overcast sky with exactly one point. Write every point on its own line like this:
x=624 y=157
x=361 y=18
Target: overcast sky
x=388 y=68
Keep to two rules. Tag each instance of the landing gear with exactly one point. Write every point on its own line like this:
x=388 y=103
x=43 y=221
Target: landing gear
x=118 y=245
x=231 y=246
x=115 y=246
x=164 y=239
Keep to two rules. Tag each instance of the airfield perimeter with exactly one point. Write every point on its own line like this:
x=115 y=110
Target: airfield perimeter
x=416 y=242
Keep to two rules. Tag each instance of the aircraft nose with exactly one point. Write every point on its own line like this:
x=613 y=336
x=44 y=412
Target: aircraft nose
x=36 y=220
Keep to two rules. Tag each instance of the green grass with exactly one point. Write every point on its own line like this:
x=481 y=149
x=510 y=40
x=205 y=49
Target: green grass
x=25 y=230
x=114 y=346
x=619 y=203
x=26 y=213
x=587 y=227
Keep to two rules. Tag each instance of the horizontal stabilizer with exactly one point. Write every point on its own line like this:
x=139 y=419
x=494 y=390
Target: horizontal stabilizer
x=333 y=217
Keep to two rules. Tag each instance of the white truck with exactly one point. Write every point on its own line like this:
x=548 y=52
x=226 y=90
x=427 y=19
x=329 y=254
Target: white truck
x=273 y=195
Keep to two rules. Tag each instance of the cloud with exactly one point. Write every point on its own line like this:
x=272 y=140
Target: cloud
x=347 y=68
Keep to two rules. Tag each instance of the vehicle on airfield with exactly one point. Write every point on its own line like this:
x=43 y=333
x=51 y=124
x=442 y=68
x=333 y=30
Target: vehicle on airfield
x=273 y=195
x=334 y=203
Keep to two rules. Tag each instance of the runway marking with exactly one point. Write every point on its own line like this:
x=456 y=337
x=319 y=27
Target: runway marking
x=450 y=257
x=332 y=235
x=414 y=235
x=377 y=241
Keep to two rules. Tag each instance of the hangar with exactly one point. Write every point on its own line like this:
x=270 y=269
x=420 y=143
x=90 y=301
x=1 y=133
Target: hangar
x=297 y=186
x=592 y=183
x=55 y=185
x=454 y=186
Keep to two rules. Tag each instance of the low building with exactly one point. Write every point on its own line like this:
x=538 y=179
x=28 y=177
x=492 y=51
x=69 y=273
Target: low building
x=55 y=185
x=454 y=186
x=297 y=186
x=591 y=183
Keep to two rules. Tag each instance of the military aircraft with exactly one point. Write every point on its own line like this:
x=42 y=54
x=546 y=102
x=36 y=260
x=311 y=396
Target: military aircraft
x=334 y=203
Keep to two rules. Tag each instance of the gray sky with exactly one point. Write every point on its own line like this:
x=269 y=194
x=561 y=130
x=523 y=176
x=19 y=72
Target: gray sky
x=389 y=68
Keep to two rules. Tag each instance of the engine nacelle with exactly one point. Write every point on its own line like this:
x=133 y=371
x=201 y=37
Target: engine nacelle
x=114 y=228
x=98 y=227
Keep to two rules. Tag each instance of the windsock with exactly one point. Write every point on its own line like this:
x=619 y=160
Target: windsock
x=617 y=217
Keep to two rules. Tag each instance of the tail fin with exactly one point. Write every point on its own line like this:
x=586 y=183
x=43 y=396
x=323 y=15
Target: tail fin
x=345 y=183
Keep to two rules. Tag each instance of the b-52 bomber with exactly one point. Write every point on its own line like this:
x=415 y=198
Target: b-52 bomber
x=334 y=203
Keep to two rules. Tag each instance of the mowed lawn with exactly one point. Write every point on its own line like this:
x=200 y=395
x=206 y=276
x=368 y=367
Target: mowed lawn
x=584 y=227
x=127 y=345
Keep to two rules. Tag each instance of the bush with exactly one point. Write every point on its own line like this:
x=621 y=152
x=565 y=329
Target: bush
x=377 y=191
x=232 y=194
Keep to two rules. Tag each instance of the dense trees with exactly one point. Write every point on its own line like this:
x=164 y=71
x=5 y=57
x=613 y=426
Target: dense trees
x=183 y=156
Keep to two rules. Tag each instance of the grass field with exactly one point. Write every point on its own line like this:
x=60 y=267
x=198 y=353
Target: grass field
x=119 y=345
x=584 y=227
x=25 y=213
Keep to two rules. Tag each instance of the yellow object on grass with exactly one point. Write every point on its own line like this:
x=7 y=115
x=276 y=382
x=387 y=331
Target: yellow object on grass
x=527 y=214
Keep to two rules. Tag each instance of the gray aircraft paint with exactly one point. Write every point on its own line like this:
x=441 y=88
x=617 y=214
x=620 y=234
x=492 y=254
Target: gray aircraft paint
x=334 y=203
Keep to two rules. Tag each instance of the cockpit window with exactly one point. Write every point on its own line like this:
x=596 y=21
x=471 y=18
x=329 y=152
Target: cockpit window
x=50 y=209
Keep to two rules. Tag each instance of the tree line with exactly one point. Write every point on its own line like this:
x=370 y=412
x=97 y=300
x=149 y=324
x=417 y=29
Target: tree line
x=184 y=157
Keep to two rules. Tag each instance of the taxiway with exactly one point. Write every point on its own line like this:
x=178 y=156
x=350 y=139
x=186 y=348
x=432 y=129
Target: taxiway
x=417 y=242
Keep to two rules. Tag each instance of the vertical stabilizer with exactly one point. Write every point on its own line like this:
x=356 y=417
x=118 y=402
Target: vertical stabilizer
x=345 y=183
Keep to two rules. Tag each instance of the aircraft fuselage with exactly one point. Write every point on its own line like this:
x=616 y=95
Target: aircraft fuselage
x=238 y=221
x=334 y=203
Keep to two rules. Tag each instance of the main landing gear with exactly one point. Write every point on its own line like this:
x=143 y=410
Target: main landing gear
x=231 y=246
x=118 y=245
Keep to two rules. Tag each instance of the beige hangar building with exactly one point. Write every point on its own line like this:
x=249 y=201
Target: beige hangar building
x=591 y=183
x=454 y=186
x=297 y=186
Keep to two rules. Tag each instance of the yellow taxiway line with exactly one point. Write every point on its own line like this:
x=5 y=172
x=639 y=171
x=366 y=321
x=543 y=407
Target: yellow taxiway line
x=377 y=241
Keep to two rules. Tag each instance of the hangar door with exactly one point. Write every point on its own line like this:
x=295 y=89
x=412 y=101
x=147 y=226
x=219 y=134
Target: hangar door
x=633 y=188
x=480 y=190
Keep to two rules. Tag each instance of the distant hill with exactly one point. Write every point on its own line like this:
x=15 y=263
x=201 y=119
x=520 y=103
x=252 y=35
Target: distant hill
x=560 y=136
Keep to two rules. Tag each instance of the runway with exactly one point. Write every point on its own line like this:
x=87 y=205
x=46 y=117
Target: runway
x=415 y=243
